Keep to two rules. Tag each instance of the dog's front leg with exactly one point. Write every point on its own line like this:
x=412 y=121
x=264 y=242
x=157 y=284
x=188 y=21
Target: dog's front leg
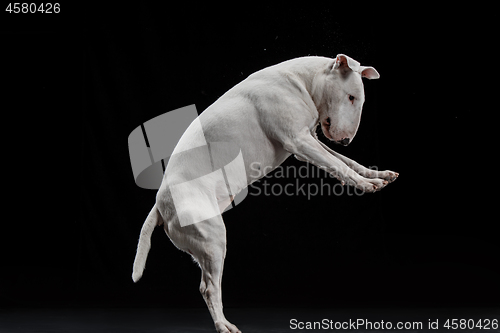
x=388 y=175
x=306 y=148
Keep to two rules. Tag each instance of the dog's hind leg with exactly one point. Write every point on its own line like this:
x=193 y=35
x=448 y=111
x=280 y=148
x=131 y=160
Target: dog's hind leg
x=210 y=252
x=204 y=237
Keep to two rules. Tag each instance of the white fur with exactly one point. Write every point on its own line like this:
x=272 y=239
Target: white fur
x=268 y=116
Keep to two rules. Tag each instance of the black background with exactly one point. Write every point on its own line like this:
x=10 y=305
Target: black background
x=75 y=85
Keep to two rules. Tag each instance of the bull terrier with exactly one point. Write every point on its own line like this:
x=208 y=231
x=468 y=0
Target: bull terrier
x=269 y=116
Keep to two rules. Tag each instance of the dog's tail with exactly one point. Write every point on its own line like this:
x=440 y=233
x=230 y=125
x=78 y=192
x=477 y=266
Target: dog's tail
x=151 y=222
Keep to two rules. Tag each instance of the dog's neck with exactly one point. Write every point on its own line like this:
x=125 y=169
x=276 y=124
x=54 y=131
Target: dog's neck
x=312 y=72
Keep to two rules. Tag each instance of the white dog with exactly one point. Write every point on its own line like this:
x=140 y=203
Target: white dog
x=268 y=116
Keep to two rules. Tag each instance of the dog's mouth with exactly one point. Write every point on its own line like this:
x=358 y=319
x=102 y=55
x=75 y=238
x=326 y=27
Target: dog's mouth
x=325 y=126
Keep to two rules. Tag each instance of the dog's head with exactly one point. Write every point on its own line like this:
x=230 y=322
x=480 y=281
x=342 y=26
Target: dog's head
x=340 y=96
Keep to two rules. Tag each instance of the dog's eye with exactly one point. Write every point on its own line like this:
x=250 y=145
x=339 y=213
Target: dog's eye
x=351 y=98
x=328 y=121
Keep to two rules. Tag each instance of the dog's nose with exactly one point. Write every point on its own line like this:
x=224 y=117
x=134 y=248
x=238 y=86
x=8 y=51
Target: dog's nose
x=344 y=141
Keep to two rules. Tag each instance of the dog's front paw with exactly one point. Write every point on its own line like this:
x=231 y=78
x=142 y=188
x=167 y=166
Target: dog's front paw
x=388 y=175
x=371 y=185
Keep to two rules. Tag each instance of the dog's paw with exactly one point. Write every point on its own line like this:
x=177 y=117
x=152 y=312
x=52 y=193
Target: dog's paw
x=226 y=327
x=371 y=185
x=388 y=175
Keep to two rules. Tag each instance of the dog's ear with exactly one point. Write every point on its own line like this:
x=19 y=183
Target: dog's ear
x=344 y=62
x=368 y=72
